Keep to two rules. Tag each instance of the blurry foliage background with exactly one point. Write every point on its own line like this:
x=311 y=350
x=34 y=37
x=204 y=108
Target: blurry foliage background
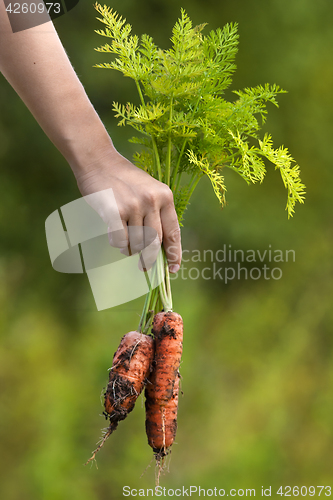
x=257 y=366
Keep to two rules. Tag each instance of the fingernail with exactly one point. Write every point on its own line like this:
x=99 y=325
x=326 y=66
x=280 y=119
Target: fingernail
x=174 y=268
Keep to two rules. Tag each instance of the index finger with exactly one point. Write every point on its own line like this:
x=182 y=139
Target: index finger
x=171 y=237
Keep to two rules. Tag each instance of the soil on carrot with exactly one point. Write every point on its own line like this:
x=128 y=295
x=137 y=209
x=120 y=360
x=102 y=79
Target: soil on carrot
x=162 y=388
x=166 y=329
x=129 y=372
x=118 y=390
x=161 y=427
x=125 y=357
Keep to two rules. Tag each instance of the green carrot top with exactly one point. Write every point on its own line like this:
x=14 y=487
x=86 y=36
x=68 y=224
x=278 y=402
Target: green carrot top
x=185 y=125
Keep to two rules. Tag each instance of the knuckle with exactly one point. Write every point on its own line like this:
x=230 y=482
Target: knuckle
x=133 y=205
x=123 y=213
x=168 y=195
x=156 y=198
x=123 y=210
x=174 y=236
x=155 y=244
x=150 y=198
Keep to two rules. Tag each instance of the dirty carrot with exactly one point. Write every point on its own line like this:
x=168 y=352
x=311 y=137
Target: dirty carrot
x=129 y=372
x=161 y=420
x=163 y=384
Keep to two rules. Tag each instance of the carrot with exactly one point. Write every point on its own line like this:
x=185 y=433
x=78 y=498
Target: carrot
x=129 y=371
x=128 y=375
x=161 y=421
x=163 y=384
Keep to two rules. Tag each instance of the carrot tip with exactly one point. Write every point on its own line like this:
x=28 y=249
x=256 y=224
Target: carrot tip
x=107 y=434
x=162 y=466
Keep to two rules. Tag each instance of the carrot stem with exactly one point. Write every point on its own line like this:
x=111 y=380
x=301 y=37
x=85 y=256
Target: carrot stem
x=178 y=181
x=157 y=159
x=168 y=155
x=140 y=92
x=162 y=288
x=144 y=313
x=157 y=298
x=175 y=170
x=167 y=281
x=151 y=311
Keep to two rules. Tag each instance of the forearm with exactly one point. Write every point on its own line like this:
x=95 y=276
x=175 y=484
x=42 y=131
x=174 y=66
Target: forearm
x=37 y=67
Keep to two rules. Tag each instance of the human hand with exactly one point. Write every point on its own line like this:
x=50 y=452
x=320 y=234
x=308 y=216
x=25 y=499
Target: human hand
x=142 y=202
x=57 y=99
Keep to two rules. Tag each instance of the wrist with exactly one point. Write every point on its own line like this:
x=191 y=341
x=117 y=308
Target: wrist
x=87 y=146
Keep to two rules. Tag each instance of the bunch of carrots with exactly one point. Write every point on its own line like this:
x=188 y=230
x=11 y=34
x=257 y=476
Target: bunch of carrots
x=150 y=362
x=186 y=130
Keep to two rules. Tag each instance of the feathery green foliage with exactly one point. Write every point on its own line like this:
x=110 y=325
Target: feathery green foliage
x=185 y=124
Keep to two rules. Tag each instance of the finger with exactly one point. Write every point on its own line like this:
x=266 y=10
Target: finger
x=135 y=234
x=152 y=239
x=119 y=238
x=171 y=237
x=125 y=251
x=149 y=255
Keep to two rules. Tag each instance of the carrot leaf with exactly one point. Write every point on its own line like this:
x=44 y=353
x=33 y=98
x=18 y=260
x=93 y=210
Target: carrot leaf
x=184 y=123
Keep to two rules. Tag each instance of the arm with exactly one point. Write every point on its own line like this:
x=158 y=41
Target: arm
x=35 y=63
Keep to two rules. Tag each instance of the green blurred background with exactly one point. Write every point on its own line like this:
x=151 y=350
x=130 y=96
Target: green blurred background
x=257 y=368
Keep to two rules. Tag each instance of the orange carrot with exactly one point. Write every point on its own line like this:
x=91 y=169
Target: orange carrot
x=128 y=375
x=163 y=384
x=130 y=369
x=161 y=421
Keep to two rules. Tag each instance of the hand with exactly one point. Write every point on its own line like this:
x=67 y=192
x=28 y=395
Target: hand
x=57 y=99
x=142 y=201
